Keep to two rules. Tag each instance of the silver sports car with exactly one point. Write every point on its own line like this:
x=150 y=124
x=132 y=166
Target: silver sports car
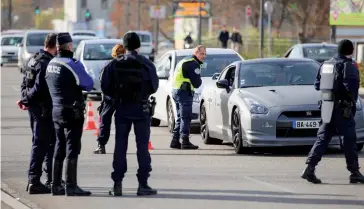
x=265 y=103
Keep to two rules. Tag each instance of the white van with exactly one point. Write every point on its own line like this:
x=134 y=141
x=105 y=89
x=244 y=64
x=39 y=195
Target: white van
x=146 y=42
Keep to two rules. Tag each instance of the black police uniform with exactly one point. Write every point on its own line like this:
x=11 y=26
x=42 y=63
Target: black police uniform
x=345 y=94
x=106 y=111
x=35 y=95
x=66 y=78
x=130 y=83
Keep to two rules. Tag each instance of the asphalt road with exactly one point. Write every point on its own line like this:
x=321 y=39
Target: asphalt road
x=212 y=177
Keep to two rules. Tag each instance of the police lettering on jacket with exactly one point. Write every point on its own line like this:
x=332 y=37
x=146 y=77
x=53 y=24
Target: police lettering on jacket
x=66 y=78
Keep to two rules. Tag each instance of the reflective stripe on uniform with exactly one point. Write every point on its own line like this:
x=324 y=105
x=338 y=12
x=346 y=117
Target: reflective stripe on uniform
x=178 y=78
x=68 y=67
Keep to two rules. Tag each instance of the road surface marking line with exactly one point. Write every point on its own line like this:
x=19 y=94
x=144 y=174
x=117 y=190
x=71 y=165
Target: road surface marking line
x=12 y=202
x=268 y=184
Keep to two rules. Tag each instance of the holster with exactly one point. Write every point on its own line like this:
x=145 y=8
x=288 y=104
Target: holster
x=346 y=108
x=79 y=109
x=151 y=103
x=187 y=87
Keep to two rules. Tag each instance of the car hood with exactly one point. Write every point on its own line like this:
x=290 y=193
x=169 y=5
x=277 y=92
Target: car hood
x=6 y=49
x=283 y=95
x=95 y=65
x=206 y=81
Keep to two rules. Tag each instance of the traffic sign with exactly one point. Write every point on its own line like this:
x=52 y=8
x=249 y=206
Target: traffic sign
x=248 y=11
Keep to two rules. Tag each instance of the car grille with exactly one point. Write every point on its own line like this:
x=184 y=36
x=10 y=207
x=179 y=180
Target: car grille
x=290 y=132
x=302 y=114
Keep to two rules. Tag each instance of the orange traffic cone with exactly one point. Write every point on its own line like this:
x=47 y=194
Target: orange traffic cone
x=98 y=127
x=150 y=146
x=90 y=122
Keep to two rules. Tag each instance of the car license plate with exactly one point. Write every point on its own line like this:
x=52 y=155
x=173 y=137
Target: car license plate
x=306 y=124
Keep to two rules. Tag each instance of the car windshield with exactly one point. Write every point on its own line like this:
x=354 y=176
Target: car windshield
x=11 y=41
x=36 y=39
x=319 y=52
x=98 y=51
x=76 y=42
x=144 y=38
x=278 y=74
x=215 y=63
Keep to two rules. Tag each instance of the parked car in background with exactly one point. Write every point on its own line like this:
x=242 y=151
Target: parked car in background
x=266 y=103
x=316 y=51
x=32 y=42
x=216 y=60
x=94 y=54
x=146 y=41
x=77 y=39
x=9 y=48
x=83 y=33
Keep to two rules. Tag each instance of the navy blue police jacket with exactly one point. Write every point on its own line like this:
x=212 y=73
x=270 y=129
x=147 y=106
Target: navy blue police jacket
x=66 y=78
x=150 y=78
x=38 y=93
x=351 y=78
x=192 y=71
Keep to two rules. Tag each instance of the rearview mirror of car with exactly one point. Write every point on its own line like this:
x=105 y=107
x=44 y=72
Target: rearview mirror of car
x=223 y=84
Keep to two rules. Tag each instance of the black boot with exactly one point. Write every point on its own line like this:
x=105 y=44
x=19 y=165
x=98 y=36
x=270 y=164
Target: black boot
x=356 y=177
x=186 y=144
x=72 y=189
x=116 y=190
x=100 y=149
x=37 y=188
x=144 y=190
x=175 y=144
x=310 y=176
x=57 y=187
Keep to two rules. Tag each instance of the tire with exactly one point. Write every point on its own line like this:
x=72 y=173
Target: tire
x=155 y=122
x=170 y=116
x=236 y=131
x=204 y=130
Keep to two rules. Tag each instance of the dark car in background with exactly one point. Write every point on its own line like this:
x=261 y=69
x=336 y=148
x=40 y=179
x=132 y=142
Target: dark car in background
x=316 y=51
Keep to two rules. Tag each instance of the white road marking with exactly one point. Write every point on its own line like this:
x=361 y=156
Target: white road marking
x=277 y=187
x=12 y=202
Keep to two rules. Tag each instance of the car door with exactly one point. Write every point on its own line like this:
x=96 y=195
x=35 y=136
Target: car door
x=221 y=98
x=160 y=95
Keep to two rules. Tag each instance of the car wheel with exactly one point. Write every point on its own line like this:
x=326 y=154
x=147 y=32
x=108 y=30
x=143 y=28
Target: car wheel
x=170 y=115
x=359 y=147
x=237 y=132
x=204 y=128
x=155 y=122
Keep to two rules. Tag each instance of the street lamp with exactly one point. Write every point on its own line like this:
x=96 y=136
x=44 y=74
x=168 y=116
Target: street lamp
x=268 y=7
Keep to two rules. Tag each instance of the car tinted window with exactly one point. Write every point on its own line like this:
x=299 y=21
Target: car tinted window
x=215 y=63
x=35 y=39
x=11 y=41
x=144 y=38
x=319 y=52
x=278 y=74
x=100 y=51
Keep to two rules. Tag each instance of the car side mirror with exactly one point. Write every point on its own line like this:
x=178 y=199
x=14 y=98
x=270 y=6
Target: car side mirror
x=222 y=84
x=163 y=75
x=215 y=76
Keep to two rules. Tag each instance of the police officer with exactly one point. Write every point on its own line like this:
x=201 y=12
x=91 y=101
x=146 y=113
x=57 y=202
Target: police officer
x=186 y=78
x=66 y=78
x=107 y=107
x=338 y=80
x=130 y=82
x=36 y=98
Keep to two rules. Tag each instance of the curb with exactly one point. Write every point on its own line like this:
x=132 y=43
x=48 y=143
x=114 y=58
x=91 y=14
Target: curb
x=14 y=200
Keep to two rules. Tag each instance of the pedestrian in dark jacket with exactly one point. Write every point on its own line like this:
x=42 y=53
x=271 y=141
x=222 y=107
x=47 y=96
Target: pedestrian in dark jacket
x=224 y=37
x=236 y=40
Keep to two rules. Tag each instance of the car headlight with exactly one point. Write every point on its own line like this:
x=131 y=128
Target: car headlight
x=255 y=107
x=358 y=104
x=91 y=73
x=196 y=97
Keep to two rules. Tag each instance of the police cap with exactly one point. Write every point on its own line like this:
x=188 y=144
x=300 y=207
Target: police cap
x=63 y=38
x=131 y=41
x=345 y=47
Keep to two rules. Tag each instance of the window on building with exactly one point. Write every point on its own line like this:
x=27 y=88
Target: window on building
x=83 y=3
x=104 y=4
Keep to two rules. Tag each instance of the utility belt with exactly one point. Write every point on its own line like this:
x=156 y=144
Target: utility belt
x=346 y=107
x=78 y=108
x=149 y=105
x=187 y=87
